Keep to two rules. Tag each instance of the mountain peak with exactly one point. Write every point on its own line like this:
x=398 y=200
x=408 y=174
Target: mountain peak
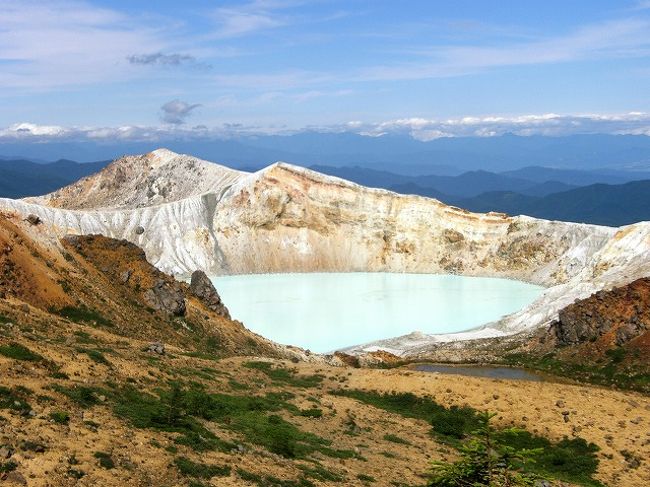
x=158 y=177
x=163 y=155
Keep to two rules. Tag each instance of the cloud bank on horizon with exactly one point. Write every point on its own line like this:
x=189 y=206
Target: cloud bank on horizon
x=175 y=113
x=109 y=68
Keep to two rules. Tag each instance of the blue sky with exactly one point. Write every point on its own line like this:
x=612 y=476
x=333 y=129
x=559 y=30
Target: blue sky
x=438 y=68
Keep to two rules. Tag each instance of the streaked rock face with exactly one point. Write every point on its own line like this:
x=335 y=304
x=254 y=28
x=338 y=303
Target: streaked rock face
x=188 y=214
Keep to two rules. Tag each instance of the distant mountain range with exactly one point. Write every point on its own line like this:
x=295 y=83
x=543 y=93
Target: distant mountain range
x=20 y=178
x=395 y=153
x=524 y=191
x=549 y=193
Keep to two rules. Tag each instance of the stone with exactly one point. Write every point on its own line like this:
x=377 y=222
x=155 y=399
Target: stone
x=33 y=219
x=5 y=452
x=166 y=297
x=202 y=288
x=139 y=230
x=560 y=404
x=125 y=276
x=157 y=347
x=15 y=478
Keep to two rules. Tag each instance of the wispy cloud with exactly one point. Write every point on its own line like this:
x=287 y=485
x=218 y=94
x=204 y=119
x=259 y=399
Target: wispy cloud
x=67 y=43
x=613 y=39
x=251 y=17
x=177 y=111
x=636 y=123
x=160 y=59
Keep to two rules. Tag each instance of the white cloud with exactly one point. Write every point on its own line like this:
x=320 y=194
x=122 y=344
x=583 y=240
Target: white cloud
x=637 y=123
x=489 y=126
x=27 y=129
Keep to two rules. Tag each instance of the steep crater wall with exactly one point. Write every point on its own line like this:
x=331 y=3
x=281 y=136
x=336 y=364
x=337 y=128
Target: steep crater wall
x=289 y=219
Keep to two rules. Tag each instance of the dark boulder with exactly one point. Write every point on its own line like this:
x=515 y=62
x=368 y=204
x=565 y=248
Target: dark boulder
x=202 y=288
x=166 y=297
x=33 y=219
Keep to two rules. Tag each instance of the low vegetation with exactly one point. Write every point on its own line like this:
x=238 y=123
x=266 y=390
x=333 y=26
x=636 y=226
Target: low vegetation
x=17 y=351
x=83 y=314
x=285 y=376
x=571 y=460
x=608 y=372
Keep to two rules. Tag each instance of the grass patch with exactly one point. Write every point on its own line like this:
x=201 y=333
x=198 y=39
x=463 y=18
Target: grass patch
x=237 y=386
x=311 y=413
x=449 y=424
x=19 y=352
x=9 y=466
x=319 y=472
x=83 y=314
x=84 y=396
x=105 y=460
x=366 y=478
x=285 y=376
x=60 y=417
x=609 y=373
x=180 y=410
x=14 y=399
x=95 y=356
x=200 y=470
x=84 y=337
x=396 y=439
x=570 y=460
x=249 y=476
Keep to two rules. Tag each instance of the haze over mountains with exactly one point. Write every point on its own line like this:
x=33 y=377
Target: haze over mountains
x=399 y=153
x=545 y=177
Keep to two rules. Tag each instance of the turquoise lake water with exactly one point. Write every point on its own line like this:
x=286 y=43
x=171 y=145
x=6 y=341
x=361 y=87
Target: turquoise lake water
x=327 y=311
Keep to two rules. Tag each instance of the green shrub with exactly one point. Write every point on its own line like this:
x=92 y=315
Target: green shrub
x=571 y=460
x=14 y=400
x=19 y=352
x=95 y=356
x=105 y=460
x=180 y=410
x=249 y=476
x=60 y=417
x=9 y=466
x=484 y=462
x=84 y=396
x=311 y=413
x=82 y=314
x=285 y=376
x=318 y=472
x=365 y=478
x=396 y=439
x=450 y=424
x=187 y=467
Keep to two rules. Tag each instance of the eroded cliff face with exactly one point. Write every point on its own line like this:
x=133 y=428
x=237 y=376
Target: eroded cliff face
x=289 y=219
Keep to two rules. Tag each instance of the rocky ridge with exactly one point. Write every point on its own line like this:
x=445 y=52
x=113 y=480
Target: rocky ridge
x=290 y=219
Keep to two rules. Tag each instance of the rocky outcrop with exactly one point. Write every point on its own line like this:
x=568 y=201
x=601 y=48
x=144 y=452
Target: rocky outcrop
x=166 y=297
x=202 y=288
x=619 y=315
x=96 y=281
